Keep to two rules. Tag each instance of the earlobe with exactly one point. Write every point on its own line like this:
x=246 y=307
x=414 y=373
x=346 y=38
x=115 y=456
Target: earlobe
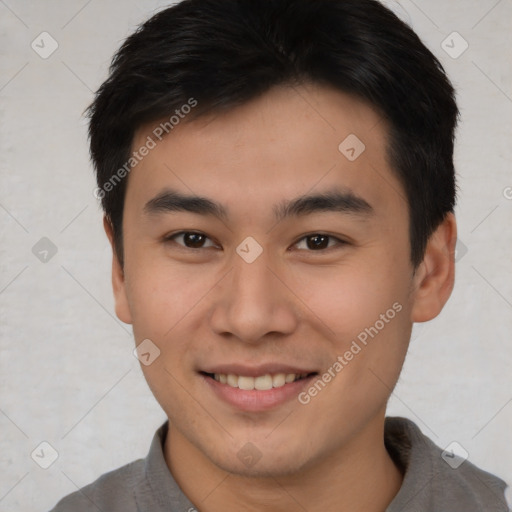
x=435 y=276
x=118 y=279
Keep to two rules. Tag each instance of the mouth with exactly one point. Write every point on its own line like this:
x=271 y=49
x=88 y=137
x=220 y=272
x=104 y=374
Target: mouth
x=260 y=383
x=262 y=391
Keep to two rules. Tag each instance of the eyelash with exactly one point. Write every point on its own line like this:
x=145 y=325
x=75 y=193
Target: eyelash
x=340 y=242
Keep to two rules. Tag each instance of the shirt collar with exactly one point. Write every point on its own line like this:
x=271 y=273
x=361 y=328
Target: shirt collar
x=419 y=458
x=158 y=491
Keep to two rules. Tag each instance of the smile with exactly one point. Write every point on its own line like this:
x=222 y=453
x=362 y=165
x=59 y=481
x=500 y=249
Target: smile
x=256 y=389
x=260 y=383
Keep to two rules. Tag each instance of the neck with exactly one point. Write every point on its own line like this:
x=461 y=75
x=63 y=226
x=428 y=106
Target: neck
x=359 y=476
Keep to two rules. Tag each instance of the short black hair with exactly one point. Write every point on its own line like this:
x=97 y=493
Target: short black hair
x=219 y=54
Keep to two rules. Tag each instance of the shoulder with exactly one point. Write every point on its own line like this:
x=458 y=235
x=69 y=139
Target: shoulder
x=467 y=484
x=436 y=478
x=112 y=491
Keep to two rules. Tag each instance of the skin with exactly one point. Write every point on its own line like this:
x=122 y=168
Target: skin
x=294 y=304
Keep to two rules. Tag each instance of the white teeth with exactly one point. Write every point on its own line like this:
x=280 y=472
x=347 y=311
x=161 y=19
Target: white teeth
x=261 y=383
x=246 y=383
x=232 y=380
x=278 y=380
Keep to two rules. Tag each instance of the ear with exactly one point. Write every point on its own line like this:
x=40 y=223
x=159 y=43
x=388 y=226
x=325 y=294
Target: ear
x=118 y=281
x=435 y=276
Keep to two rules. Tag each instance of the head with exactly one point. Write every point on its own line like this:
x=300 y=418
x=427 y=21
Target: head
x=278 y=186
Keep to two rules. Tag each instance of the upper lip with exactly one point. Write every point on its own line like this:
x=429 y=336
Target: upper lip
x=256 y=371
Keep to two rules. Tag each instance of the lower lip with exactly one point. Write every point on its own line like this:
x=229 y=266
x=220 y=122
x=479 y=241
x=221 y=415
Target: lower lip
x=255 y=400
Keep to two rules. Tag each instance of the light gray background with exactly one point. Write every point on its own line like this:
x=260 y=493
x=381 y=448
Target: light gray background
x=67 y=372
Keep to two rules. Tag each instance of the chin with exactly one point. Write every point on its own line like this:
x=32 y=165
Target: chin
x=267 y=461
x=261 y=469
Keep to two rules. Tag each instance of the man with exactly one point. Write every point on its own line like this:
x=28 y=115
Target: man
x=278 y=186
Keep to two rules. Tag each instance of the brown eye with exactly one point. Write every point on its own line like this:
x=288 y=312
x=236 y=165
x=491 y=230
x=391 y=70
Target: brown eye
x=190 y=239
x=194 y=240
x=318 y=242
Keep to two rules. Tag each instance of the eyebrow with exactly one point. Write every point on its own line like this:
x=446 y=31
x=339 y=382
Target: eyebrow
x=334 y=200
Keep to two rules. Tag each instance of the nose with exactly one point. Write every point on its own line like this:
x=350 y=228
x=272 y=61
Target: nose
x=254 y=301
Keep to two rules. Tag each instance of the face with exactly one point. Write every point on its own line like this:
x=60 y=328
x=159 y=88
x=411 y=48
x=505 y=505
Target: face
x=291 y=274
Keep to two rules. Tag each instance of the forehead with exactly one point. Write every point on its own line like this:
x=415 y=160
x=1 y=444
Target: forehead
x=286 y=143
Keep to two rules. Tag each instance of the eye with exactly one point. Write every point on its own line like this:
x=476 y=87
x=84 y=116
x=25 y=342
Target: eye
x=318 y=242
x=190 y=239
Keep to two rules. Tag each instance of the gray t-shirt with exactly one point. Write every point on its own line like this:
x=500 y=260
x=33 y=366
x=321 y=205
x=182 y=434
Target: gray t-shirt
x=430 y=483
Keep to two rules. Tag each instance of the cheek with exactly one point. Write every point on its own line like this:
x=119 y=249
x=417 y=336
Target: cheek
x=161 y=295
x=164 y=302
x=364 y=313
x=350 y=296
